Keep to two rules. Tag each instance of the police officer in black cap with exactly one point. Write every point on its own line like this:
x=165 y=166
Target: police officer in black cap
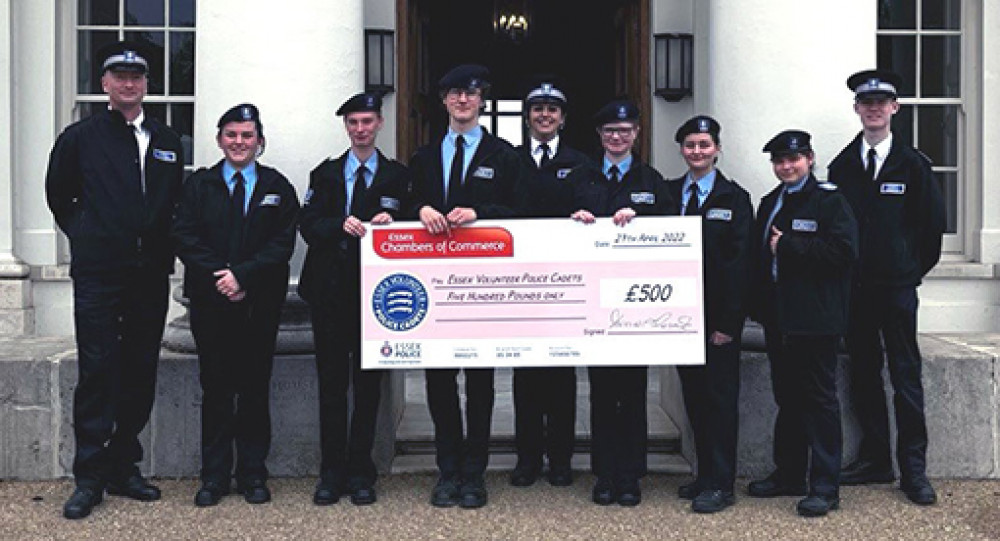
x=621 y=187
x=711 y=391
x=113 y=180
x=235 y=232
x=806 y=241
x=468 y=174
x=901 y=215
x=359 y=186
x=545 y=398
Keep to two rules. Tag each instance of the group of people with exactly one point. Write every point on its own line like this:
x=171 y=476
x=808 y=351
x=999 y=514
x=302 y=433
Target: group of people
x=822 y=260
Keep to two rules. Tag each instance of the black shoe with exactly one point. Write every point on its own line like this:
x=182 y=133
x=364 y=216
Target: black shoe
x=254 y=491
x=817 y=505
x=362 y=493
x=523 y=476
x=713 y=501
x=603 y=493
x=919 y=491
x=82 y=502
x=773 y=486
x=472 y=494
x=445 y=493
x=135 y=487
x=690 y=490
x=629 y=494
x=327 y=492
x=863 y=472
x=560 y=476
x=210 y=494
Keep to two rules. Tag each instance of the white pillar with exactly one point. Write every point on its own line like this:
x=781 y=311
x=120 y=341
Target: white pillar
x=989 y=241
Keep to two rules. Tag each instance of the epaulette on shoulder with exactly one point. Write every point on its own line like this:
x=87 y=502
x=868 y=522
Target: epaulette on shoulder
x=925 y=157
x=828 y=186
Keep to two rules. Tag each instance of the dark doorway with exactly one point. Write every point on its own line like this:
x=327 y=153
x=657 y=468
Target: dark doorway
x=592 y=48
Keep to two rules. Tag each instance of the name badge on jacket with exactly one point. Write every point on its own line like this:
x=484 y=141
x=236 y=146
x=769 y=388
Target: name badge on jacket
x=563 y=173
x=271 y=200
x=892 y=188
x=644 y=198
x=165 y=155
x=724 y=215
x=483 y=172
x=808 y=226
x=390 y=203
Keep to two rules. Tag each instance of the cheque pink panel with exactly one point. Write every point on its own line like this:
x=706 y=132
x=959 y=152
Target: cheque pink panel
x=585 y=299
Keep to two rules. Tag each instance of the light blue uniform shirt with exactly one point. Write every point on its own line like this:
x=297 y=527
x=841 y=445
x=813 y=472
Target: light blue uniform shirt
x=623 y=167
x=705 y=185
x=249 y=181
x=789 y=188
x=472 y=139
x=350 y=171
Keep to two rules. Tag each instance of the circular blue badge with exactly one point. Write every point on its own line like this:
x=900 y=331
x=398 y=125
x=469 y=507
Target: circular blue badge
x=399 y=302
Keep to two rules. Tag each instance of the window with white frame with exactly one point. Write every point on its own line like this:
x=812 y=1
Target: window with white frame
x=165 y=30
x=922 y=40
x=503 y=119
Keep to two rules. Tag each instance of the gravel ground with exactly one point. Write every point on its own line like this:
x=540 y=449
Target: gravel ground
x=967 y=510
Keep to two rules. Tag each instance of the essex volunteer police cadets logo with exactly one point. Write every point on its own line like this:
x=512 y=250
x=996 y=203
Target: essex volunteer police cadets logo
x=399 y=302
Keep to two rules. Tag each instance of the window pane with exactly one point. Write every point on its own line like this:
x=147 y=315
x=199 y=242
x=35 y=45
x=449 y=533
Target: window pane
x=144 y=13
x=896 y=14
x=151 y=43
x=509 y=106
x=899 y=54
x=509 y=128
x=97 y=12
x=182 y=121
x=88 y=61
x=182 y=63
x=938 y=133
x=902 y=125
x=374 y=52
x=948 y=183
x=941 y=14
x=388 y=61
x=940 y=66
x=182 y=12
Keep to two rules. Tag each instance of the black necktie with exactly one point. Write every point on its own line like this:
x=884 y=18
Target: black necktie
x=544 y=147
x=692 y=208
x=870 y=167
x=236 y=201
x=457 y=166
x=614 y=175
x=358 y=194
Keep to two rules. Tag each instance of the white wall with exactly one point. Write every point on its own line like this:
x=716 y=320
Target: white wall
x=673 y=16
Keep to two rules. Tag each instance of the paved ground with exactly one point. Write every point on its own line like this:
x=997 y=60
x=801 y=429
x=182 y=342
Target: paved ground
x=968 y=510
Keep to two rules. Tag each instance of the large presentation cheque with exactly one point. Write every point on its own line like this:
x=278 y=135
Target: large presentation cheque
x=540 y=292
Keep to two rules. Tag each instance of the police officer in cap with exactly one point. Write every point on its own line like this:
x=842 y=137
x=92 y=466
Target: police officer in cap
x=466 y=175
x=901 y=215
x=361 y=185
x=235 y=232
x=622 y=187
x=806 y=241
x=112 y=182
x=545 y=398
x=711 y=391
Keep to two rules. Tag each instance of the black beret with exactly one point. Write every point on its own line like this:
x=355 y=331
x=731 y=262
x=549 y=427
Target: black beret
x=546 y=93
x=869 y=82
x=466 y=76
x=244 y=112
x=365 y=101
x=789 y=142
x=617 y=111
x=698 y=124
x=124 y=56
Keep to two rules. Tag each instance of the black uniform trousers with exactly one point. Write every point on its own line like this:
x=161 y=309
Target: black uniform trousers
x=461 y=454
x=119 y=317
x=545 y=416
x=346 y=452
x=888 y=316
x=711 y=397
x=235 y=357
x=807 y=432
x=618 y=423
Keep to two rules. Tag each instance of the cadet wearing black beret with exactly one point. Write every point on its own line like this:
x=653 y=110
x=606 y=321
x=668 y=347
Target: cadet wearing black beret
x=698 y=124
x=901 y=212
x=806 y=239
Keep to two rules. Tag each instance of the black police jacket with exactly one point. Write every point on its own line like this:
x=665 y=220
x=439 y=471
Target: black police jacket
x=94 y=190
x=727 y=221
x=491 y=181
x=202 y=232
x=642 y=189
x=901 y=215
x=330 y=272
x=547 y=192
x=816 y=253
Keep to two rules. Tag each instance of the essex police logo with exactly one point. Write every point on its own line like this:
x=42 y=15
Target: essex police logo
x=386 y=350
x=399 y=302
